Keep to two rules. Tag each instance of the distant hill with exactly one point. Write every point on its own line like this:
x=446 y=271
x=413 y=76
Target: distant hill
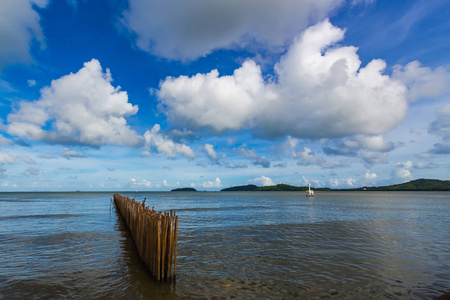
x=282 y=187
x=187 y=189
x=273 y=188
x=241 y=188
x=415 y=185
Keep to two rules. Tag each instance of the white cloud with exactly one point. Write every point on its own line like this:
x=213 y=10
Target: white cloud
x=322 y=91
x=165 y=145
x=145 y=153
x=334 y=182
x=371 y=157
x=81 y=108
x=12 y=158
x=207 y=100
x=307 y=157
x=7 y=184
x=372 y=148
x=186 y=30
x=421 y=165
x=374 y=143
x=405 y=165
x=251 y=154
x=135 y=184
x=350 y=182
x=7 y=158
x=27 y=159
x=210 y=151
x=4 y=141
x=212 y=184
x=370 y=176
x=422 y=82
x=248 y=153
x=68 y=154
x=263 y=180
x=31 y=82
x=403 y=174
x=402 y=170
x=19 y=26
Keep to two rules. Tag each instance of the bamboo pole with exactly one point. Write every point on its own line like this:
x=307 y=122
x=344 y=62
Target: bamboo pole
x=170 y=237
x=158 y=249
x=175 y=250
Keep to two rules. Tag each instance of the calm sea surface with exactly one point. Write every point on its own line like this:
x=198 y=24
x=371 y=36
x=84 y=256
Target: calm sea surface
x=235 y=245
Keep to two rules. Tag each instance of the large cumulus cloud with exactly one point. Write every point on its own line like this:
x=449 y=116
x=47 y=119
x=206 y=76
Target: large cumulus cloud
x=207 y=100
x=81 y=108
x=178 y=29
x=321 y=90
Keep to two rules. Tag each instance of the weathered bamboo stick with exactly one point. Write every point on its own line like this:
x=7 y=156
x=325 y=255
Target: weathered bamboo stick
x=164 y=240
x=158 y=249
x=170 y=237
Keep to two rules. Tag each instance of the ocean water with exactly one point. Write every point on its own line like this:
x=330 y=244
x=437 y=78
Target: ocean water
x=231 y=245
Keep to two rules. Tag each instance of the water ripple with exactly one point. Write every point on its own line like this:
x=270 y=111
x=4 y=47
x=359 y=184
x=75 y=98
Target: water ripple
x=231 y=246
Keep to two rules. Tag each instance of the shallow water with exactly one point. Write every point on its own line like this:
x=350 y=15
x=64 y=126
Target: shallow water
x=234 y=245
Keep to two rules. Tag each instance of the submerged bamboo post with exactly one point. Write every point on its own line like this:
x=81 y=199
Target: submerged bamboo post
x=154 y=234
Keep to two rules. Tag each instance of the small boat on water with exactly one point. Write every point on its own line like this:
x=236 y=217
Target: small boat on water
x=309 y=192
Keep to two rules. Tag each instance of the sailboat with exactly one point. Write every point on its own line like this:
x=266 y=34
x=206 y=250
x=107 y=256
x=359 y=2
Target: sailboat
x=309 y=192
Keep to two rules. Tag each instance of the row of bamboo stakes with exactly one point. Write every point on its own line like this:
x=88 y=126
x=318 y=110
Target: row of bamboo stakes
x=154 y=234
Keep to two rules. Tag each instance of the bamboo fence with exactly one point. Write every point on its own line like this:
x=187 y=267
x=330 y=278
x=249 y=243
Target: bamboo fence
x=154 y=233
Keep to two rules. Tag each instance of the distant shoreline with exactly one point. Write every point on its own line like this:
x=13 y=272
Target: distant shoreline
x=422 y=185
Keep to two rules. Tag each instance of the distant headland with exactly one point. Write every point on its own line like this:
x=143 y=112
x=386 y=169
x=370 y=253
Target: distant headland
x=415 y=185
x=186 y=189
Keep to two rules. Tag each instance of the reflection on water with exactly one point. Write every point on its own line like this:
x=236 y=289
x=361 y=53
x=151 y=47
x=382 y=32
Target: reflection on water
x=231 y=246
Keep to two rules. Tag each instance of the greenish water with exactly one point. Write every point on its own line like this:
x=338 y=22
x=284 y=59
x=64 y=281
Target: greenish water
x=235 y=245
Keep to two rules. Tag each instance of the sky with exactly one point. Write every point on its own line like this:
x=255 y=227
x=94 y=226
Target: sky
x=150 y=95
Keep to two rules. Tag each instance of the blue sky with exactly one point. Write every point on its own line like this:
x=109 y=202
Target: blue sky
x=155 y=95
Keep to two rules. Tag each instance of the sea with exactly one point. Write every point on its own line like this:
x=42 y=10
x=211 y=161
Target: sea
x=231 y=245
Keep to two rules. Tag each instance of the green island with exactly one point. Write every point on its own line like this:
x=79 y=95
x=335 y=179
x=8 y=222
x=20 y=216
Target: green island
x=414 y=185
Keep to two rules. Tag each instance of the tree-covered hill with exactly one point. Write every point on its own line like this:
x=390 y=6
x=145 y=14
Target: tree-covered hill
x=241 y=188
x=415 y=185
